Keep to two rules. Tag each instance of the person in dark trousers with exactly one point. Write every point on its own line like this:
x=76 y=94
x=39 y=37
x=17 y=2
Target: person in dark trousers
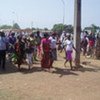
x=3 y=47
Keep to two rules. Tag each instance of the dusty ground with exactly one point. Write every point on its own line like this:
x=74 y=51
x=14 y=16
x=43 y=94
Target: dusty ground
x=60 y=84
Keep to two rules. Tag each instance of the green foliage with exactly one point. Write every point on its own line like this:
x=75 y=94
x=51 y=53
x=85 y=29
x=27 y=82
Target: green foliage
x=46 y=29
x=93 y=28
x=16 y=26
x=68 y=28
x=60 y=27
x=33 y=28
x=5 y=27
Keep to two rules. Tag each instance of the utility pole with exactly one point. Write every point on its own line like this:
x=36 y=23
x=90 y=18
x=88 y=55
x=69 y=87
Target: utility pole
x=77 y=31
x=63 y=11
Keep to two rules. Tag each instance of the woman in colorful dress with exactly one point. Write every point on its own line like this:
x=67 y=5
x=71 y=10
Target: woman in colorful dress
x=45 y=46
x=19 y=51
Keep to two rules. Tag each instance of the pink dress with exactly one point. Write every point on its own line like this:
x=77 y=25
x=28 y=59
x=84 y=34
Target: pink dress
x=46 y=60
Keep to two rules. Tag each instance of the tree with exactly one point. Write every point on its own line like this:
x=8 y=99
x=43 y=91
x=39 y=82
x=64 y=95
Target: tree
x=58 y=28
x=68 y=28
x=33 y=28
x=93 y=28
x=46 y=29
x=5 y=27
x=16 y=26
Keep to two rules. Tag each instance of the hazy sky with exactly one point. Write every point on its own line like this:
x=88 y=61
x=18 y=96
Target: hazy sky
x=46 y=13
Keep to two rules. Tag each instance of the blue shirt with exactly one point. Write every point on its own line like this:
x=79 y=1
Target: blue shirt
x=3 y=43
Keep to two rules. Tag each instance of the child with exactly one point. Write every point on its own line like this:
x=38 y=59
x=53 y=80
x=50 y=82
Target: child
x=68 y=50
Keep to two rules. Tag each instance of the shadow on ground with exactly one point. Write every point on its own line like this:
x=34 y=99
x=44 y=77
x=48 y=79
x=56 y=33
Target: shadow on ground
x=32 y=70
x=11 y=68
x=63 y=72
x=88 y=66
x=85 y=69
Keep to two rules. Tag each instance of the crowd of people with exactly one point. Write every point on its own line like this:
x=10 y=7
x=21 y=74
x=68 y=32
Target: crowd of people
x=21 y=49
x=89 y=43
x=26 y=49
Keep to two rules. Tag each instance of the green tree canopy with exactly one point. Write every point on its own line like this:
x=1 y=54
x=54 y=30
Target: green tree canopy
x=5 y=27
x=68 y=28
x=93 y=28
x=16 y=26
x=46 y=29
x=60 y=27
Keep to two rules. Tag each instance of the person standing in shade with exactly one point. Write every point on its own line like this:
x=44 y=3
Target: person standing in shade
x=3 y=48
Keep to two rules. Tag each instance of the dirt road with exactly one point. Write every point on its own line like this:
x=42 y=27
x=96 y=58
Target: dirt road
x=59 y=84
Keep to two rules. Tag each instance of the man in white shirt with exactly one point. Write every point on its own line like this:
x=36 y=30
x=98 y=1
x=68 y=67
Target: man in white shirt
x=53 y=48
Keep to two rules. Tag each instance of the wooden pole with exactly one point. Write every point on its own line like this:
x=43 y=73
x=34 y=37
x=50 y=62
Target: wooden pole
x=77 y=31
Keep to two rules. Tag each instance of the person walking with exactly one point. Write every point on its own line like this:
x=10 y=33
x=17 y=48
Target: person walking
x=53 y=43
x=19 y=51
x=68 y=50
x=45 y=47
x=38 y=40
x=29 y=53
